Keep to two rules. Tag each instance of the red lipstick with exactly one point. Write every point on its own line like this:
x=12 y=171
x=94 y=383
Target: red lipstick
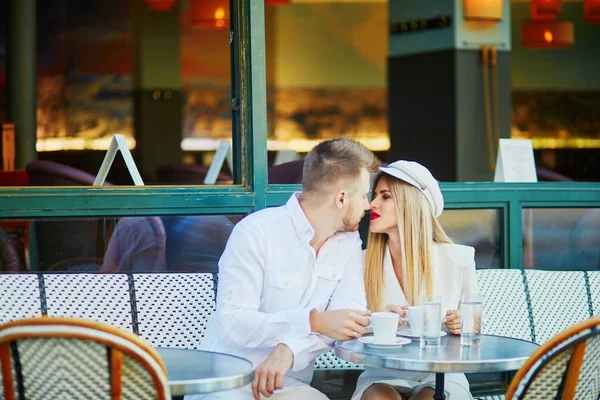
x=374 y=215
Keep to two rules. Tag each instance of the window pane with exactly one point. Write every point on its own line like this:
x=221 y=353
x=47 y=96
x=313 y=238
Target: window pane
x=156 y=72
x=480 y=229
x=561 y=238
x=190 y=243
x=326 y=78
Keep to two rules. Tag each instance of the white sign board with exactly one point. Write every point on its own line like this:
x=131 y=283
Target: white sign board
x=515 y=161
x=117 y=143
x=223 y=152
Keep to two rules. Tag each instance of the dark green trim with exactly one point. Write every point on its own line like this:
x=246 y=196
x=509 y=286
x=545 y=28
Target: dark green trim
x=529 y=306
x=258 y=99
x=42 y=288
x=135 y=326
x=78 y=201
x=588 y=292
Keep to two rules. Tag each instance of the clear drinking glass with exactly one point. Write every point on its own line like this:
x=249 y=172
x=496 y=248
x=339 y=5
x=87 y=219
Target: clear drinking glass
x=432 y=321
x=470 y=309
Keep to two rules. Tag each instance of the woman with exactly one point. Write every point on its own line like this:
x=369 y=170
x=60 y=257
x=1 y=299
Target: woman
x=408 y=255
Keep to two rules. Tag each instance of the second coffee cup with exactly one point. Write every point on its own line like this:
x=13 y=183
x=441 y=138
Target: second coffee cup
x=414 y=317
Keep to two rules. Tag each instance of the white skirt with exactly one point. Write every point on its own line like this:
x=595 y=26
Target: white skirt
x=456 y=386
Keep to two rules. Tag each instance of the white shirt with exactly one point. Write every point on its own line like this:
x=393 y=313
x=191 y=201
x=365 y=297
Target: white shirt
x=269 y=281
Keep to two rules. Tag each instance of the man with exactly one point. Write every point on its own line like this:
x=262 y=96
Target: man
x=290 y=278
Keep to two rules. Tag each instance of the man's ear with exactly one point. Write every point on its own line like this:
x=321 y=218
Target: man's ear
x=341 y=198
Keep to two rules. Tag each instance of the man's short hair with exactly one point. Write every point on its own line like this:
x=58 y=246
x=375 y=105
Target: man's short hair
x=334 y=160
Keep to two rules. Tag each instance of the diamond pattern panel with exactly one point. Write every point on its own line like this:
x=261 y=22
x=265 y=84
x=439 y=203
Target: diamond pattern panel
x=594 y=277
x=546 y=383
x=330 y=361
x=558 y=301
x=59 y=368
x=98 y=297
x=588 y=385
x=137 y=381
x=505 y=311
x=19 y=297
x=173 y=309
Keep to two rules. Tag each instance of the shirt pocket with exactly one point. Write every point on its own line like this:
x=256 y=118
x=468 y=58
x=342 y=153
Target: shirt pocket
x=284 y=290
x=331 y=273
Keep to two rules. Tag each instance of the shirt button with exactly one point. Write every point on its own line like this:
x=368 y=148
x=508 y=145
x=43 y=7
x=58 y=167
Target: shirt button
x=287 y=284
x=332 y=276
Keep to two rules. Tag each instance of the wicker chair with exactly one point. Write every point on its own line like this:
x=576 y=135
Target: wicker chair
x=565 y=367
x=55 y=358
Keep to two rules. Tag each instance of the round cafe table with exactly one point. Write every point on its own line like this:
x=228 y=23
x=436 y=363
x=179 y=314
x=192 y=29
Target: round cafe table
x=494 y=353
x=198 y=371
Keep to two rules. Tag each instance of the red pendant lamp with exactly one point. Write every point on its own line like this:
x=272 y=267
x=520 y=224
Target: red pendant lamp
x=547 y=34
x=544 y=9
x=591 y=11
x=209 y=14
x=544 y=31
x=160 y=5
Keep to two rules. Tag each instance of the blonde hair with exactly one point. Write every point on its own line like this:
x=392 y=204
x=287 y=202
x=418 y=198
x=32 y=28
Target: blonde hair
x=418 y=229
x=334 y=160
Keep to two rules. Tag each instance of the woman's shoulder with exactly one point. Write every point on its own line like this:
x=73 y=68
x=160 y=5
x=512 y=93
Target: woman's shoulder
x=458 y=253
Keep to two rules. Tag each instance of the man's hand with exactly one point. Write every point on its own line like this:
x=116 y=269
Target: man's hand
x=340 y=324
x=268 y=376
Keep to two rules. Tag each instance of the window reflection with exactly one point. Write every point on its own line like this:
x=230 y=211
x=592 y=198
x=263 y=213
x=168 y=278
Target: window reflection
x=191 y=243
x=561 y=239
x=478 y=228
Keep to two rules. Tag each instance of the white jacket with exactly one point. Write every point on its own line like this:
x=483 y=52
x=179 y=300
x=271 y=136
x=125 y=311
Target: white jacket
x=453 y=274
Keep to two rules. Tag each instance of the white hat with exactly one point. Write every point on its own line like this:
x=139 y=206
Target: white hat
x=420 y=177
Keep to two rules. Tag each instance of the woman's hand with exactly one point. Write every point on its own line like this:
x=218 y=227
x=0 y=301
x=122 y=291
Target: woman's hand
x=400 y=310
x=453 y=321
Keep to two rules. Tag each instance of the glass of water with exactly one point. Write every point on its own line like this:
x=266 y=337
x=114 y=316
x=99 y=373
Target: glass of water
x=432 y=321
x=470 y=309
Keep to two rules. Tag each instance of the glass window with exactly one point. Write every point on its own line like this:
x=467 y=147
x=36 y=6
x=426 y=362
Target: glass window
x=561 y=238
x=159 y=73
x=326 y=78
x=190 y=243
x=480 y=229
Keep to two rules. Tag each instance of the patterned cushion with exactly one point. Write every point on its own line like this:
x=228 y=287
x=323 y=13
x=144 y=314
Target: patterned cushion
x=173 y=309
x=19 y=297
x=505 y=308
x=594 y=279
x=98 y=297
x=558 y=301
x=330 y=361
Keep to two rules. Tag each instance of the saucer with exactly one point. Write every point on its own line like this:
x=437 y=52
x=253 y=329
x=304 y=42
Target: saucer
x=407 y=333
x=369 y=341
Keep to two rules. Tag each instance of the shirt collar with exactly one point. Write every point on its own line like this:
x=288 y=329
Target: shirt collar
x=301 y=223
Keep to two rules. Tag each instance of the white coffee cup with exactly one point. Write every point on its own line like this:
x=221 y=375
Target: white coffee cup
x=384 y=326
x=414 y=317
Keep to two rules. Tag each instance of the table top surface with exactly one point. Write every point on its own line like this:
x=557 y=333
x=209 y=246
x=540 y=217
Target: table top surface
x=198 y=371
x=494 y=353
